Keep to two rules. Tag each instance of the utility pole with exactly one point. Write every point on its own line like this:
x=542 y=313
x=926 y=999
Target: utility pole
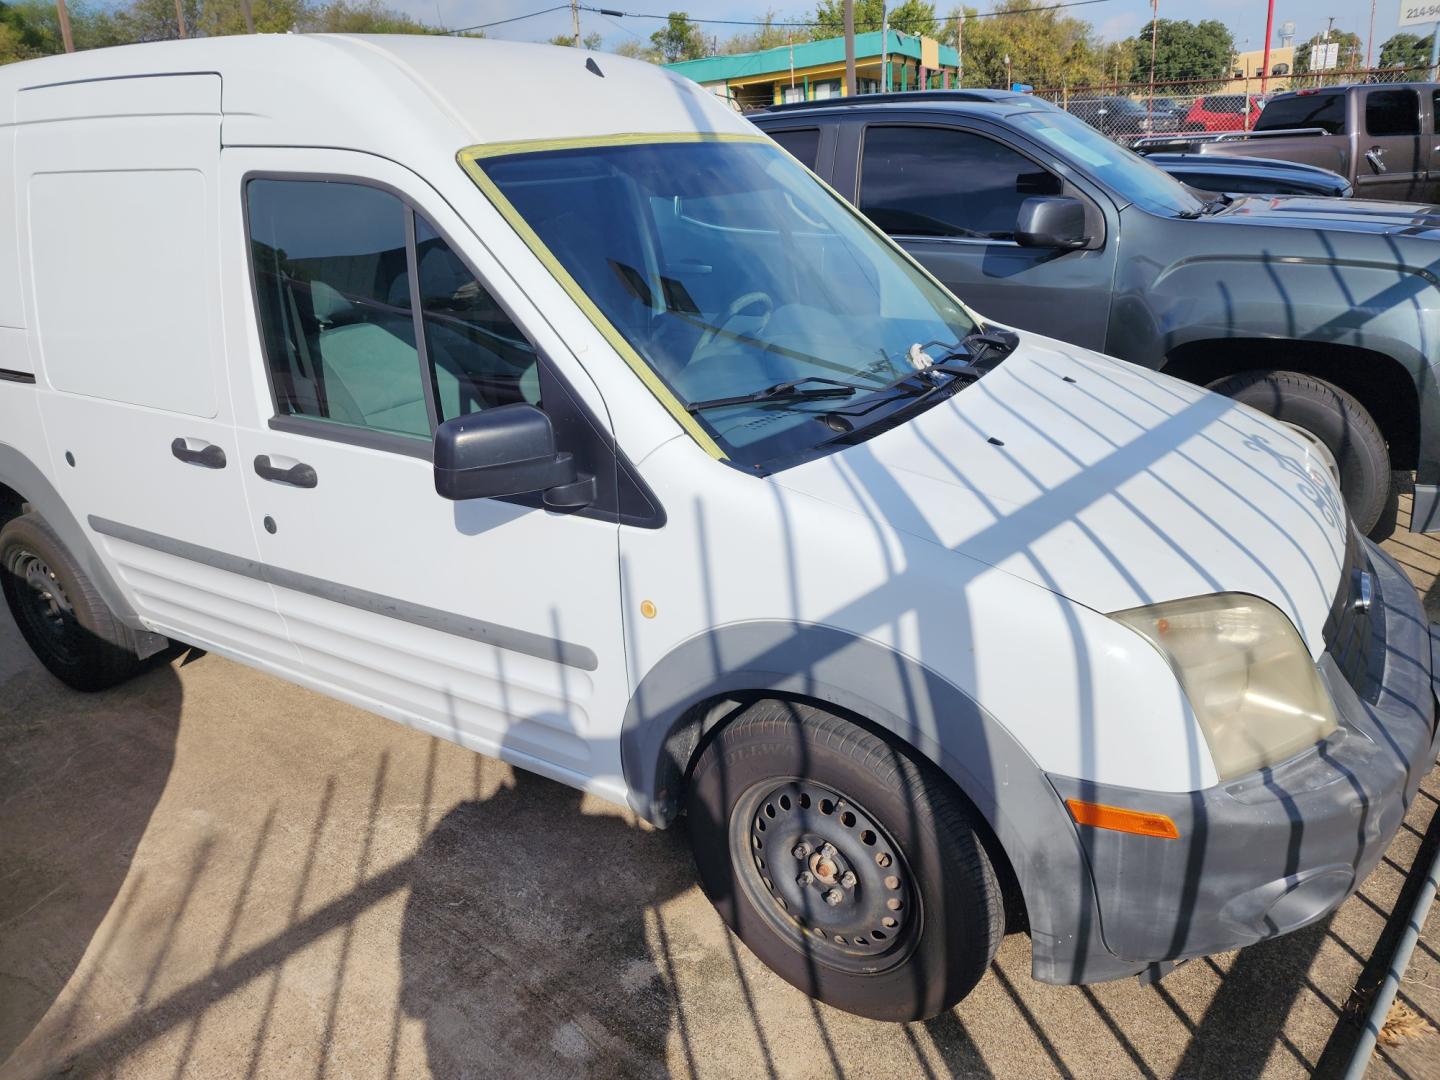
x=249 y=16
x=65 y=35
x=1370 y=37
x=850 y=48
x=180 y=17
x=575 y=20
x=1265 y=64
x=960 y=50
x=884 y=48
x=1154 y=30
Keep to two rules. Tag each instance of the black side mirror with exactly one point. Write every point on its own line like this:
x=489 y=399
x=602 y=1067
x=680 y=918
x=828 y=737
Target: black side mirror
x=1051 y=221
x=507 y=450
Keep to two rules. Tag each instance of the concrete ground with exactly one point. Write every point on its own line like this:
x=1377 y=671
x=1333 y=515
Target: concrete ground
x=208 y=872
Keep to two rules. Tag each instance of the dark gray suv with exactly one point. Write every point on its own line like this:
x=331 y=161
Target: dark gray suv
x=1321 y=312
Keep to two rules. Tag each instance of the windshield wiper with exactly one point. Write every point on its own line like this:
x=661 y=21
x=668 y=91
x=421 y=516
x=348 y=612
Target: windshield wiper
x=785 y=391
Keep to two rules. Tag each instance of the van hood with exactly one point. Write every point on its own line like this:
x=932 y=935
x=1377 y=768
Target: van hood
x=1343 y=215
x=1109 y=484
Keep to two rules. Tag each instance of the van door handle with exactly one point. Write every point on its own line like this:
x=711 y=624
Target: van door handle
x=298 y=475
x=210 y=455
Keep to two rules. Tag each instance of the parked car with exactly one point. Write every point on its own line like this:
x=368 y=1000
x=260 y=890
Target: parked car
x=1255 y=176
x=1379 y=137
x=1320 y=312
x=1223 y=112
x=1116 y=117
x=594 y=433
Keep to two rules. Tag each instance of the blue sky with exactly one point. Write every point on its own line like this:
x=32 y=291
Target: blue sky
x=1113 y=18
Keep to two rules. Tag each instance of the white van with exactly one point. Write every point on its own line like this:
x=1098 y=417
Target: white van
x=530 y=397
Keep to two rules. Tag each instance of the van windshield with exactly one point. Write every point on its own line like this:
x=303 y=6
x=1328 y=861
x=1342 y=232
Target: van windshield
x=729 y=270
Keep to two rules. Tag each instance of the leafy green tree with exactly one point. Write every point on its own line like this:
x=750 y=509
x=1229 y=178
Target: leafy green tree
x=590 y=41
x=766 y=35
x=911 y=17
x=1401 y=51
x=1185 y=50
x=679 y=39
x=1047 y=48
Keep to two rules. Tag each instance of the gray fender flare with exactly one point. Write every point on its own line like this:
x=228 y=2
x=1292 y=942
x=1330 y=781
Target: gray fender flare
x=663 y=727
x=19 y=473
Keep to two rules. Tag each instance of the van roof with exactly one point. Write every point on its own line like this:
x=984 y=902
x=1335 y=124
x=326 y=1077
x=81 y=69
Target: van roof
x=380 y=93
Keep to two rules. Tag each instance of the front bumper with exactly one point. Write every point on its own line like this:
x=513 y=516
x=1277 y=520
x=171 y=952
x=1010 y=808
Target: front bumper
x=1277 y=850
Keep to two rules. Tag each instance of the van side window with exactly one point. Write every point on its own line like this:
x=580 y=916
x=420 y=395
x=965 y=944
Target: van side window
x=1392 y=112
x=930 y=181
x=333 y=283
x=478 y=357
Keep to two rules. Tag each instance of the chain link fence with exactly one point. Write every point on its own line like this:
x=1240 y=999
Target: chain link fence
x=1127 y=112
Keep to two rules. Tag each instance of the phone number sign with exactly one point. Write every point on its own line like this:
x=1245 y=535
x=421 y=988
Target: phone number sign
x=1414 y=14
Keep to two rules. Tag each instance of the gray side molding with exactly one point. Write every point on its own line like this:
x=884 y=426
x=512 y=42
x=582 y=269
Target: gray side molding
x=19 y=473
x=665 y=723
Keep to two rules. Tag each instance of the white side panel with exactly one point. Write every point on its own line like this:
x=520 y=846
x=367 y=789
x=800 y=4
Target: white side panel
x=12 y=305
x=122 y=275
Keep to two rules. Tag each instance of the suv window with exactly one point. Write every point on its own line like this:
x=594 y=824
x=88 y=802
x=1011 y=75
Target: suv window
x=1392 y=112
x=929 y=181
x=1326 y=111
x=803 y=144
x=333 y=264
x=1233 y=104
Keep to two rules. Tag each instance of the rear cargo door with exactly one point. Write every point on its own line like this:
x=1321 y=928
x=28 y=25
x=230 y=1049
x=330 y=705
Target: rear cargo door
x=116 y=190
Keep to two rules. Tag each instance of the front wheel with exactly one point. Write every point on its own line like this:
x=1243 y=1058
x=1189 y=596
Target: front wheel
x=1334 y=417
x=854 y=871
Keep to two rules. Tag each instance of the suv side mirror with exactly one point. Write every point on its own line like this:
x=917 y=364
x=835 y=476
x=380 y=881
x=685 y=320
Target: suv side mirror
x=507 y=450
x=1051 y=221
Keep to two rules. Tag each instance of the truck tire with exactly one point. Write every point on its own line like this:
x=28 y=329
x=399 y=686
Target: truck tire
x=853 y=870
x=1337 y=420
x=57 y=610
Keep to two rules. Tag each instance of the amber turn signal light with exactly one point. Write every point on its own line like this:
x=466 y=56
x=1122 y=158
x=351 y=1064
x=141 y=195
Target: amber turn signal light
x=1122 y=820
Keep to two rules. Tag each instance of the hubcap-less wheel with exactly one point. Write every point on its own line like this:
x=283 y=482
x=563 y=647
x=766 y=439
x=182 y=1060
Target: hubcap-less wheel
x=44 y=603
x=826 y=875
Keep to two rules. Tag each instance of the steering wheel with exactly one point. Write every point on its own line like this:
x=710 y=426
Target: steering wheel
x=713 y=334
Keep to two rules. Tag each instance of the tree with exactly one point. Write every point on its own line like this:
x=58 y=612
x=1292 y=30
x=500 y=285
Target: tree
x=679 y=39
x=1185 y=50
x=591 y=41
x=1402 y=51
x=766 y=35
x=1046 y=47
x=911 y=17
x=636 y=50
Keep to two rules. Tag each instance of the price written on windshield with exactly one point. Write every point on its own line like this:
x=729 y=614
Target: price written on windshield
x=1412 y=13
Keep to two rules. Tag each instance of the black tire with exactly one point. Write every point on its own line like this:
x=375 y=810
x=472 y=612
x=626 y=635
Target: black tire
x=938 y=900
x=57 y=610
x=1337 y=420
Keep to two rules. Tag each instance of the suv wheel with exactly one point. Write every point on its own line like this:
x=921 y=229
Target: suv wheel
x=853 y=870
x=57 y=609
x=1336 y=419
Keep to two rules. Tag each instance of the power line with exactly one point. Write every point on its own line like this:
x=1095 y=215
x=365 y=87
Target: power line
x=753 y=22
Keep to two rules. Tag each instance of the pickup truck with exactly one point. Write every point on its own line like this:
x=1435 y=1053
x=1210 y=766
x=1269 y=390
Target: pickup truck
x=1380 y=138
x=1321 y=312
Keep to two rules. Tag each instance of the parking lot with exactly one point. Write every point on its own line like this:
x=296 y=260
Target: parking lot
x=211 y=872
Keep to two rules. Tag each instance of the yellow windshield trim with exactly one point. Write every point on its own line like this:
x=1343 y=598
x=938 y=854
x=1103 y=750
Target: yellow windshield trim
x=470 y=160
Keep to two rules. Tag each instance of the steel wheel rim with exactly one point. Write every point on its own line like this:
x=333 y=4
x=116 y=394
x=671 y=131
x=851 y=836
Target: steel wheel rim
x=44 y=603
x=779 y=832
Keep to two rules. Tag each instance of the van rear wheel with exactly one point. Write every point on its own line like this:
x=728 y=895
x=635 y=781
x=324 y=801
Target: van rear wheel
x=1335 y=418
x=852 y=869
x=57 y=610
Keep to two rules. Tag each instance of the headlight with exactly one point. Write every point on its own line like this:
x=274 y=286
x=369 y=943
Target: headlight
x=1250 y=680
